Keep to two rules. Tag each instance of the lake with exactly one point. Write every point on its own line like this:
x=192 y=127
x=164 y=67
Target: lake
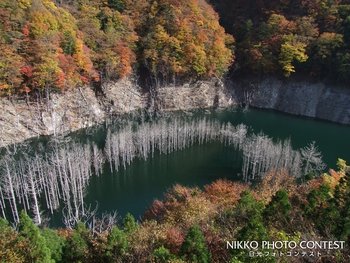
x=133 y=189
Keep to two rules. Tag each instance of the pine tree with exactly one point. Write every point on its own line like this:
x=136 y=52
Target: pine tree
x=251 y=211
x=117 y=244
x=55 y=243
x=162 y=255
x=39 y=251
x=248 y=208
x=194 y=248
x=279 y=207
x=129 y=223
x=77 y=248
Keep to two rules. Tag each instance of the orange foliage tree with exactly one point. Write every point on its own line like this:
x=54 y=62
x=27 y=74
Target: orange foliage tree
x=182 y=39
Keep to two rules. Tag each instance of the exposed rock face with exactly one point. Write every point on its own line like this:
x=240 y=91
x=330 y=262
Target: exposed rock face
x=200 y=95
x=73 y=110
x=80 y=108
x=296 y=97
x=123 y=97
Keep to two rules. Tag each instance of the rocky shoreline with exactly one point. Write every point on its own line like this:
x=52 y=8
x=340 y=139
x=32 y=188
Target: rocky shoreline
x=297 y=97
x=81 y=108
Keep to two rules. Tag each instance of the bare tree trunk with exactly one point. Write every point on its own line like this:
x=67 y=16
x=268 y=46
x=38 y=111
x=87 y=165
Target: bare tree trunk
x=33 y=187
x=12 y=197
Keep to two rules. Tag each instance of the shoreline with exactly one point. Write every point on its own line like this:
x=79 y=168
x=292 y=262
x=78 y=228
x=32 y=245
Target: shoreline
x=81 y=108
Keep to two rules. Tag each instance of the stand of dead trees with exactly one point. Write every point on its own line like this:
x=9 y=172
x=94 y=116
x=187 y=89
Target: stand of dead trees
x=59 y=178
x=50 y=180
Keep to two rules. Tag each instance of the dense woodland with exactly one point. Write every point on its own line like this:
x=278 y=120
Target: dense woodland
x=57 y=45
x=192 y=225
x=49 y=44
x=311 y=37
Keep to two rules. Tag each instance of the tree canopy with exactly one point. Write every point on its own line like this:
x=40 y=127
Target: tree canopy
x=48 y=44
x=310 y=37
x=180 y=232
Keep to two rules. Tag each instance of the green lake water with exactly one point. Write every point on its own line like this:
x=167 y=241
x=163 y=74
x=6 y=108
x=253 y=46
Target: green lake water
x=134 y=189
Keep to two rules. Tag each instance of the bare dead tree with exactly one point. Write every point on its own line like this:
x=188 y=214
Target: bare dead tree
x=71 y=219
x=60 y=177
x=103 y=223
x=312 y=159
x=8 y=186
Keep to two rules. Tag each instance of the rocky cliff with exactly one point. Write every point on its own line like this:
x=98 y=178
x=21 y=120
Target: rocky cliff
x=317 y=100
x=81 y=108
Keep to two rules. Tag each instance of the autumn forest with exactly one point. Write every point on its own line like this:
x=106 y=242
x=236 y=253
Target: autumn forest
x=63 y=44
x=274 y=186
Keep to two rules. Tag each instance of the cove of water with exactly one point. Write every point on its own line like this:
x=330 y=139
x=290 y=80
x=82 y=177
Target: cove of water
x=134 y=189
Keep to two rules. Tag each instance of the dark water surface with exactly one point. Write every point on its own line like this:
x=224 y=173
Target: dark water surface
x=134 y=189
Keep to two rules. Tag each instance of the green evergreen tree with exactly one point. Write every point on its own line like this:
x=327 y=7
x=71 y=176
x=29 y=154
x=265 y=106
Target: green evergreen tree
x=162 y=255
x=247 y=207
x=39 y=251
x=279 y=207
x=253 y=230
x=129 y=223
x=117 y=245
x=117 y=4
x=317 y=199
x=194 y=248
x=68 y=44
x=55 y=243
x=77 y=248
x=323 y=210
x=345 y=226
x=251 y=211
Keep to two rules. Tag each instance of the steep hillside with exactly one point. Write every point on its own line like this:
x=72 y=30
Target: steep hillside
x=57 y=45
x=311 y=37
